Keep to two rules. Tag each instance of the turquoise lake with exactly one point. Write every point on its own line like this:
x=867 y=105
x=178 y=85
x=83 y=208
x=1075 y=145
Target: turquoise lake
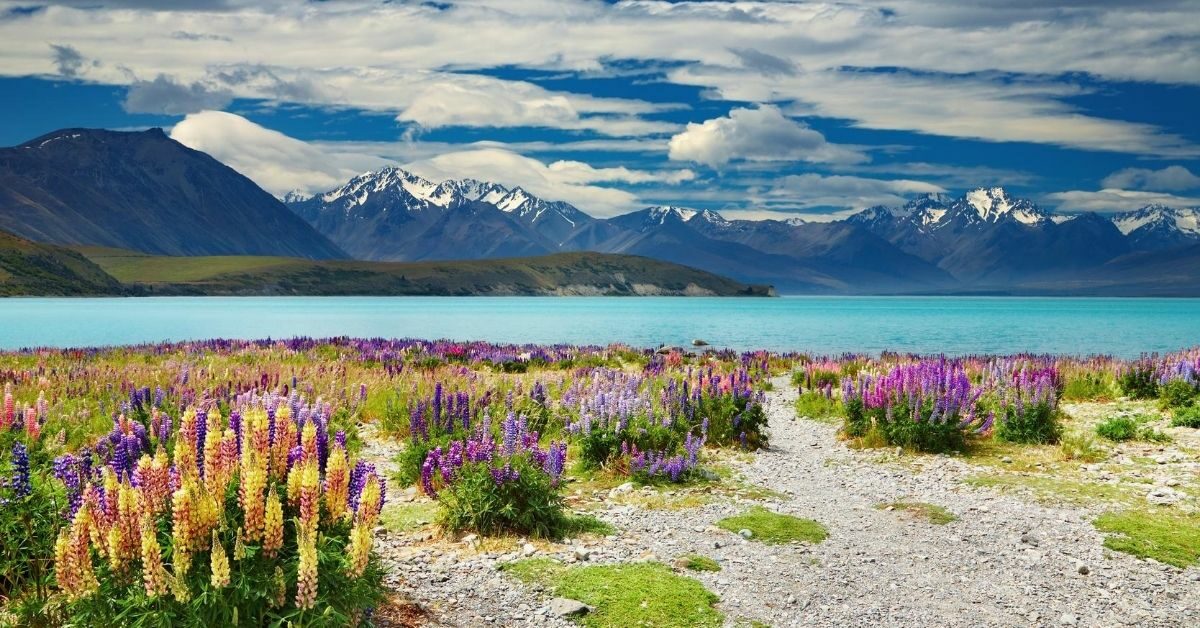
x=953 y=325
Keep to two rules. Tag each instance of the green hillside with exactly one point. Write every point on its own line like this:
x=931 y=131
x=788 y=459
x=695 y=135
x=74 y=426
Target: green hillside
x=32 y=269
x=560 y=274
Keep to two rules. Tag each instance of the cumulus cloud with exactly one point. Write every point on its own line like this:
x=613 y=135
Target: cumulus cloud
x=165 y=95
x=568 y=181
x=1117 y=200
x=760 y=134
x=279 y=164
x=1172 y=178
x=276 y=162
x=811 y=190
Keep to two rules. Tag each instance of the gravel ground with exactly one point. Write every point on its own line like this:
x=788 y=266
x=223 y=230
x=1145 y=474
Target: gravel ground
x=1006 y=561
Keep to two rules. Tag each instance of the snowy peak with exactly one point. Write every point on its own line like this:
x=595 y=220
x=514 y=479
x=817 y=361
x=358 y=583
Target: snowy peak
x=662 y=213
x=1160 y=218
x=993 y=205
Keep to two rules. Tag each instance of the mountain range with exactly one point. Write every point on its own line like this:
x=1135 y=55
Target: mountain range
x=144 y=192
x=985 y=241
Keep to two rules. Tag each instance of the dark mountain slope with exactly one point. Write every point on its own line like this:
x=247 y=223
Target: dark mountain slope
x=146 y=192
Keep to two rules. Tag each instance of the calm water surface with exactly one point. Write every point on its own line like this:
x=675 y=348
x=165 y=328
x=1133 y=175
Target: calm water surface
x=955 y=325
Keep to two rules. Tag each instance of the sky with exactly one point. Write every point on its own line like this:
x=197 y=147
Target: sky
x=754 y=109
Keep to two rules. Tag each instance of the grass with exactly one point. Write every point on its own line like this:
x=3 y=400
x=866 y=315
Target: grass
x=696 y=562
x=1081 y=447
x=636 y=594
x=929 y=512
x=1052 y=490
x=774 y=528
x=586 y=524
x=406 y=517
x=1122 y=428
x=817 y=407
x=1170 y=539
x=607 y=274
x=1187 y=417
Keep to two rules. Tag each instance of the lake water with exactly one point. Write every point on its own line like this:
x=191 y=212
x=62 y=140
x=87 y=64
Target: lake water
x=954 y=325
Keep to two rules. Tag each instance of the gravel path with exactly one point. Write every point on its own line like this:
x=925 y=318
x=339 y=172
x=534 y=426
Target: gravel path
x=1005 y=561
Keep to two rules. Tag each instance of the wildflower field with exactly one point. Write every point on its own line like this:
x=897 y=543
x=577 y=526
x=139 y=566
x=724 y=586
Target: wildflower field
x=225 y=482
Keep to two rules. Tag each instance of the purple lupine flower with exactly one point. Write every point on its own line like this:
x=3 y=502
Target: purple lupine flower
x=20 y=484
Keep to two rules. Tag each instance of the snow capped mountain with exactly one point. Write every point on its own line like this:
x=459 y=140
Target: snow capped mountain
x=1185 y=221
x=1159 y=227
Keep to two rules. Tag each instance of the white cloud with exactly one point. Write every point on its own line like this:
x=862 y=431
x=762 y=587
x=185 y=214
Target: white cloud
x=561 y=181
x=979 y=107
x=164 y=95
x=276 y=162
x=1117 y=200
x=279 y=163
x=387 y=55
x=760 y=134
x=807 y=191
x=1170 y=178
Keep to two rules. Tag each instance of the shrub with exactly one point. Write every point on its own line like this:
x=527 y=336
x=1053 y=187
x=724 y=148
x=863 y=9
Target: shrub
x=930 y=406
x=1138 y=380
x=1187 y=417
x=1088 y=386
x=495 y=486
x=29 y=518
x=1029 y=408
x=1118 y=429
x=818 y=405
x=276 y=531
x=1177 y=393
x=1080 y=446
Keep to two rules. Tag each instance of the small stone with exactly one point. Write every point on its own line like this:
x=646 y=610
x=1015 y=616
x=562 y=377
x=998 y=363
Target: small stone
x=717 y=545
x=566 y=607
x=582 y=553
x=1068 y=619
x=1083 y=569
x=745 y=533
x=529 y=549
x=1029 y=539
x=624 y=488
x=1006 y=460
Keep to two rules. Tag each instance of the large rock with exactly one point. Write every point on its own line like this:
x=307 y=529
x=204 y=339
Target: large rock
x=565 y=607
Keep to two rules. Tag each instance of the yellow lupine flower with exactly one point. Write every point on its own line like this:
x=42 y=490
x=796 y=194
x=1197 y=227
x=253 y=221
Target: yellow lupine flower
x=273 y=525
x=337 y=483
x=154 y=574
x=361 y=538
x=306 y=574
x=220 y=563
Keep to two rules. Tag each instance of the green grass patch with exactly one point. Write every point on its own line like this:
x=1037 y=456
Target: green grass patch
x=1187 y=417
x=816 y=406
x=586 y=524
x=1052 y=490
x=929 y=512
x=1170 y=539
x=696 y=562
x=406 y=517
x=636 y=594
x=772 y=527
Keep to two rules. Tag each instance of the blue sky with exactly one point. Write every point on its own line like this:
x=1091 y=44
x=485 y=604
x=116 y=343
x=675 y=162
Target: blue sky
x=756 y=109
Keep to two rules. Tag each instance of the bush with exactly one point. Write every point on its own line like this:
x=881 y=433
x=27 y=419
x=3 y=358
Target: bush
x=1187 y=417
x=1080 y=446
x=1029 y=408
x=1138 y=381
x=818 y=406
x=1088 y=386
x=256 y=534
x=29 y=518
x=1177 y=393
x=930 y=406
x=1118 y=429
x=500 y=486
